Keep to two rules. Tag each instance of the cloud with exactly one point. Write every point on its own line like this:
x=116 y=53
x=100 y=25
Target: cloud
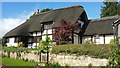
x=7 y=24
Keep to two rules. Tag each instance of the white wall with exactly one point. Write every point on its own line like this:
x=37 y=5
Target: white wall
x=34 y=34
x=49 y=31
x=119 y=33
x=38 y=33
x=76 y=37
x=108 y=38
x=11 y=42
x=86 y=38
x=34 y=45
x=43 y=37
x=100 y=40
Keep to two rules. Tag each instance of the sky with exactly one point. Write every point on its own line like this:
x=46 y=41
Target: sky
x=15 y=13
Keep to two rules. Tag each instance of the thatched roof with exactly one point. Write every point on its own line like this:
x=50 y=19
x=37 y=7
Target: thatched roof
x=72 y=14
x=101 y=25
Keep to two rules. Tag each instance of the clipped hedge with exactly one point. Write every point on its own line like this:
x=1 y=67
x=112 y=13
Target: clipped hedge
x=93 y=50
x=18 y=49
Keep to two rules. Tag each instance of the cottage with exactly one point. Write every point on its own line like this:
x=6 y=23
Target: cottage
x=36 y=28
x=98 y=31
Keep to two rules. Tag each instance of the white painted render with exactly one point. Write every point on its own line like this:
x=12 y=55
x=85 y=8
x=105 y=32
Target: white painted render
x=85 y=38
x=119 y=33
x=44 y=32
x=49 y=31
x=11 y=42
x=108 y=38
x=38 y=33
x=34 y=45
x=98 y=41
x=101 y=40
x=43 y=37
x=34 y=34
x=76 y=37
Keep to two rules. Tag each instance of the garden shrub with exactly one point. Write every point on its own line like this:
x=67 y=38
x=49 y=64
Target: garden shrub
x=114 y=62
x=89 y=65
x=94 y=50
x=64 y=42
x=54 y=65
x=112 y=41
x=45 y=44
x=20 y=44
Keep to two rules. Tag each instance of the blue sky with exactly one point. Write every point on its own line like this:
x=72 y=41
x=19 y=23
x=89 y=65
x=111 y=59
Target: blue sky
x=14 y=9
x=15 y=13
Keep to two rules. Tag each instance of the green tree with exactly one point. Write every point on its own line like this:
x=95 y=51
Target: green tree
x=45 y=45
x=110 y=8
x=45 y=10
x=114 y=62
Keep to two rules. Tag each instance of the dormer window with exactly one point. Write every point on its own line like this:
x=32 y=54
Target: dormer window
x=47 y=26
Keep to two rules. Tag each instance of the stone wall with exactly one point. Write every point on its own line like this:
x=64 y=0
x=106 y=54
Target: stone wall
x=30 y=56
x=69 y=60
x=73 y=60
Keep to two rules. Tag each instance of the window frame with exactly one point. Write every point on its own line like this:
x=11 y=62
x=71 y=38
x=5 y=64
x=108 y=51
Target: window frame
x=7 y=40
x=47 y=26
x=16 y=39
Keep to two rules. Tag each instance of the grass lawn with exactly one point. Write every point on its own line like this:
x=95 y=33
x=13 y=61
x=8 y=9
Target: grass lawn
x=17 y=63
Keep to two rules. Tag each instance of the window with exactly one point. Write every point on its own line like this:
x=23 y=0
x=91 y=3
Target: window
x=47 y=26
x=30 y=40
x=7 y=40
x=37 y=39
x=82 y=23
x=16 y=39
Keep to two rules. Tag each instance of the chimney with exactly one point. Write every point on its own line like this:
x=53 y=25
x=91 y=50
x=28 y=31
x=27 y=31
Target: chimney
x=37 y=12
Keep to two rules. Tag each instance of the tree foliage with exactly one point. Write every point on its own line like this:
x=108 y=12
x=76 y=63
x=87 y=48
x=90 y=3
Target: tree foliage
x=45 y=44
x=115 y=61
x=65 y=31
x=110 y=9
x=45 y=10
x=20 y=44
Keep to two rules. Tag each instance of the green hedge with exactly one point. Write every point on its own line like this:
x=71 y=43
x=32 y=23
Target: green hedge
x=18 y=49
x=94 y=50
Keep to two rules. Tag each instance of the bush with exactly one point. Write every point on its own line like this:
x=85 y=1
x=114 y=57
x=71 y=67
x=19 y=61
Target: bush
x=63 y=42
x=20 y=44
x=93 y=50
x=112 y=41
x=114 y=62
x=54 y=65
